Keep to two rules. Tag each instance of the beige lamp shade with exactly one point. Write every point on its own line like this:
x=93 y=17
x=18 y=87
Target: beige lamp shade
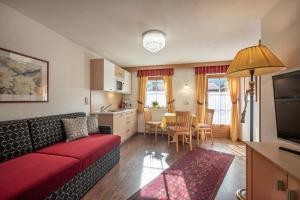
x=259 y=58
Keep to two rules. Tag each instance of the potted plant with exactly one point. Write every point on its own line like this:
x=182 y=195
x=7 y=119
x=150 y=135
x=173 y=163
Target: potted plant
x=155 y=104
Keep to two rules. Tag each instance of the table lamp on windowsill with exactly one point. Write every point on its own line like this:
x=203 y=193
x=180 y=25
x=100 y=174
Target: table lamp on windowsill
x=253 y=61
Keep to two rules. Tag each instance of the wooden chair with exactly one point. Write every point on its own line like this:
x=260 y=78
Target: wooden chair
x=183 y=126
x=149 y=123
x=206 y=128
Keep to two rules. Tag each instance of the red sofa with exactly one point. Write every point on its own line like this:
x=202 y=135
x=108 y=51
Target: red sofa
x=29 y=172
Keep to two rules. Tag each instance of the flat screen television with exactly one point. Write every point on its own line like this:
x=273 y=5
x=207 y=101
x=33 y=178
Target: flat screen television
x=287 y=105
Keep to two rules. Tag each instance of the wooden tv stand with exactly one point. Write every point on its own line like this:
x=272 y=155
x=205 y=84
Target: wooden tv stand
x=271 y=173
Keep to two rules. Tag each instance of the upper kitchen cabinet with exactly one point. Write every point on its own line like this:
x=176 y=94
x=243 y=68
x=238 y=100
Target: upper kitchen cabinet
x=127 y=83
x=109 y=77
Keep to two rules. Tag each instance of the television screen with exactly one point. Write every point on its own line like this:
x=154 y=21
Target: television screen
x=287 y=85
x=287 y=105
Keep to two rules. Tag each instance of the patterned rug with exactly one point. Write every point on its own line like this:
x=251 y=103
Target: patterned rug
x=197 y=175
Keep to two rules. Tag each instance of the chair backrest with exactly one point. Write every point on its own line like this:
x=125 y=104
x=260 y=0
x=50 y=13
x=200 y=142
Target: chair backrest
x=209 y=116
x=184 y=118
x=147 y=115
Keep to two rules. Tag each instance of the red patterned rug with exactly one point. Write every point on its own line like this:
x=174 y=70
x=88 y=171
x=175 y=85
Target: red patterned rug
x=197 y=175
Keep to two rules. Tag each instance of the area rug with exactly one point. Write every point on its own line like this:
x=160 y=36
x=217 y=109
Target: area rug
x=197 y=175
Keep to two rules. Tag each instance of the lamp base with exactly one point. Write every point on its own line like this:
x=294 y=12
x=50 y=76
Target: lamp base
x=241 y=194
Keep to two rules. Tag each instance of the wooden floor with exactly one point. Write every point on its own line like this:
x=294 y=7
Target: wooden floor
x=143 y=158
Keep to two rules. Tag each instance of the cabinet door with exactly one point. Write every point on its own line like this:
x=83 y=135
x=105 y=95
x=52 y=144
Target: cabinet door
x=294 y=186
x=109 y=83
x=264 y=179
x=120 y=126
x=127 y=83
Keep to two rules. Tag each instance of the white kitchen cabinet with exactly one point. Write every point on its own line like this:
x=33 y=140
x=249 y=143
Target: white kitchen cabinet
x=102 y=75
x=127 y=83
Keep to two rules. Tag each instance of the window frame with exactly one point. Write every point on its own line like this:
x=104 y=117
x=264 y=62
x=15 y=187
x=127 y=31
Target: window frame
x=153 y=78
x=217 y=126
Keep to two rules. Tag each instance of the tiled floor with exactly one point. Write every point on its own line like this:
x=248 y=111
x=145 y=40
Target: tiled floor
x=143 y=158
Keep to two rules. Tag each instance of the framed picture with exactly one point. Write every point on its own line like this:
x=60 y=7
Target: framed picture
x=246 y=87
x=23 y=78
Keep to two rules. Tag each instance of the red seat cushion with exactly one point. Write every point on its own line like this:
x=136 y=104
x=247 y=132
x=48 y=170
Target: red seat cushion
x=35 y=175
x=88 y=149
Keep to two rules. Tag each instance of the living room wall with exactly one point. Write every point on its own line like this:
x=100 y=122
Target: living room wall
x=68 y=69
x=280 y=32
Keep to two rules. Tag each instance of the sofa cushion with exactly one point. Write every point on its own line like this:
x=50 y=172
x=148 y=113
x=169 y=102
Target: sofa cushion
x=49 y=130
x=92 y=124
x=88 y=149
x=35 y=175
x=75 y=128
x=14 y=139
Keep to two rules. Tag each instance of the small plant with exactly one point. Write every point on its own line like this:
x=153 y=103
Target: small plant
x=155 y=104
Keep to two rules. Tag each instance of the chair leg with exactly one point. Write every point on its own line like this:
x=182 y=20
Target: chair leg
x=183 y=140
x=191 y=143
x=212 y=137
x=177 y=147
x=197 y=135
x=155 y=132
x=145 y=130
x=168 y=139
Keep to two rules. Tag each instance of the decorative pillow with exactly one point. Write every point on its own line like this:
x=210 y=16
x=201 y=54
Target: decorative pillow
x=75 y=128
x=92 y=124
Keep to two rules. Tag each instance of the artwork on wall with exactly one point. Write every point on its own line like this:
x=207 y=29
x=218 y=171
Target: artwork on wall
x=23 y=78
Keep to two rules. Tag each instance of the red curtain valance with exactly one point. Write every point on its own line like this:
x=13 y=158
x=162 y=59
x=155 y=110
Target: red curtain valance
x=220 y=69
x=156 y=72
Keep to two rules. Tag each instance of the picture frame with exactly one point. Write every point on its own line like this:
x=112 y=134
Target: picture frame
x=23 y=78
x=246 y=87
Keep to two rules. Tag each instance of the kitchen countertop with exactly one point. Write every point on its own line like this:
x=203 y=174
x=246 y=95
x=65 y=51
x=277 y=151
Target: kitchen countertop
x=113 y=113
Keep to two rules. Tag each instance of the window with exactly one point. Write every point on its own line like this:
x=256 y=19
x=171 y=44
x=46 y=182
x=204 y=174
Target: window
x=155 y=92
x=218 y=98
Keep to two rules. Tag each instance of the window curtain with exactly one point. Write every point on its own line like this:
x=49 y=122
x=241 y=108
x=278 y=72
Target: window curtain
x=201 y=89
x=169 y=93
x=234 y=87
x=142 y=90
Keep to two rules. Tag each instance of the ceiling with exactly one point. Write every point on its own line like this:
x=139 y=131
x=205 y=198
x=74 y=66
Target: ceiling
x=197 y=30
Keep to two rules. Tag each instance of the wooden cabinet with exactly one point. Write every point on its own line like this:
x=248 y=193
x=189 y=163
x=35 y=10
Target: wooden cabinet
x=271 y=173
x=122 y=123
x=104 y=75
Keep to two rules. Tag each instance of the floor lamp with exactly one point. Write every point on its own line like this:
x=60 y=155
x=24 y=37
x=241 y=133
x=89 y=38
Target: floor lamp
x=253 y=61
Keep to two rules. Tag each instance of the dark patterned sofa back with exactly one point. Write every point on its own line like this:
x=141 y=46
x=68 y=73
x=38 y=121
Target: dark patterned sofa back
x=14 y=139
x=49 y=130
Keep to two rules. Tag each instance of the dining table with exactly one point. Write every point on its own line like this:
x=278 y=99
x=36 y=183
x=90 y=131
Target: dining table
x=169 y=119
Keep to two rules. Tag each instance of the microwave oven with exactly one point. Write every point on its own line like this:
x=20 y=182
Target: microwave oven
x=119 y=85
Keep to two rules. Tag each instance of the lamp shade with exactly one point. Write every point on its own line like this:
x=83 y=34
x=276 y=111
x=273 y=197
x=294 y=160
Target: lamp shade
x=258 y=58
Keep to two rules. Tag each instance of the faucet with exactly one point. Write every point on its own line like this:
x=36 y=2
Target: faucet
x=103 y=108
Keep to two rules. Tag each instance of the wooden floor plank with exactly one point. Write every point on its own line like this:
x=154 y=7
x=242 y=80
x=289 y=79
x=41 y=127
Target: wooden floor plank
x=143 y=159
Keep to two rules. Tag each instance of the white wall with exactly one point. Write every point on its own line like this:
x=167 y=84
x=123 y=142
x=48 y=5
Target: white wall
x=68 y=71
x=281 y=33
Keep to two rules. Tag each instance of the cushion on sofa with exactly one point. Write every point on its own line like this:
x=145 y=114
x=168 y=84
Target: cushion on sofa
x=88 y=149
x=35 y=175
x=75 y=128
x=49 y=130
x=92 y=124
x=14 y=139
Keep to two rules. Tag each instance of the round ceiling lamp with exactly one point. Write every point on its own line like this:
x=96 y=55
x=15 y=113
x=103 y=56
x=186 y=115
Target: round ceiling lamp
x=154 y=40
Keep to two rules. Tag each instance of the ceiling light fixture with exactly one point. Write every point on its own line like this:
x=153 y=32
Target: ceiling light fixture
x=154 y=40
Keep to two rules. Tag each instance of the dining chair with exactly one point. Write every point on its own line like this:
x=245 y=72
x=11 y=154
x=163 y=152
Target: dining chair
x=206 y=127
x=150 y=124
x=182 y=127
